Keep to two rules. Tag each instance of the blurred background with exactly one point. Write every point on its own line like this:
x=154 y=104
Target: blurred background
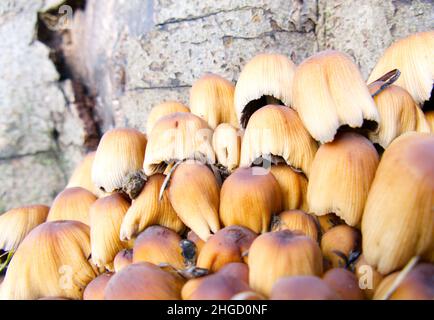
x=70 y=70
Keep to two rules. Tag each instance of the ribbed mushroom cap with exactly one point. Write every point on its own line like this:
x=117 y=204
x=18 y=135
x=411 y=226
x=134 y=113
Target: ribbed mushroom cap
x=226 y=142
x=143 y=281
x=72 y=204
x=106 y=216
x=178 y=136
x=16 y=223
x=293 y=186
x=278 y=131
x=266 y=75
x=341 y=175
x=120 y=153
x=399 y=114
x=413 y=56
x=212 y=99
x=195 y=194
x=249 y=199
x=161 y=110
x=329 y=92
x=418 y=284
x=52 y=261
x=398 y=220
x=274 y=255
x=230 y=244
x=82 y=175
x=297 y=220
x=147 y=209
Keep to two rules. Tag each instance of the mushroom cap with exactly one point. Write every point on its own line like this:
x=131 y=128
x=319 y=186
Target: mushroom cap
x=249 y=199
x=399 y=113
x=229 y=244
x=120 y=153
x=303 y=287
x=226 y=142
x=72 y=204
x=398 y=219
x=278 y=131
x=264 y=75
x=195 y=194
x=178 y=136
x=158 y=245
x=16 y=223
x=106 y=215
x=52 y=261
x=413 y=56
x=341 y=176
x=329 y=92
x=82 y=175
x=212 y=99
x=161 y=110
x=274 y=255
x=148 y=209
x=143 y=281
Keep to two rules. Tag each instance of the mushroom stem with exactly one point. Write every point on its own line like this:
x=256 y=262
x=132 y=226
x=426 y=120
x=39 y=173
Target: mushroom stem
x=401 y=276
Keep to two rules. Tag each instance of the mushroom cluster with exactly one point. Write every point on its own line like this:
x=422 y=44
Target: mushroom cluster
x=298 y=182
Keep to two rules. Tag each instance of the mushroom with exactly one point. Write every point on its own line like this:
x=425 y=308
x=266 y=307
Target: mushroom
x=161 y=110
x=341 y=246
x=341 y=175
x=230 y=244
x=118 y=162
x=222 y=285
x=249 y=200
x=368 y=277
x=16 y=223
x=418 y=284
x=52 y=261
x=226 y=142
x=122 y=259
x=265 y=79
x=72 y=204
x=303 y=287
x=95 y=289
x=329 y=92
x=293 y=186
x=277 y=132
x=413 y=57
x=194 y=194
x=212 y=99
x=82 y=175
x=106 y=216
x=296 y=220
x=143 y=281
x=147 y=209
x=345 y=283
x=398 y=218
x=176 y=137
x=159 y=245
x=399 y=113
x=283 y=253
